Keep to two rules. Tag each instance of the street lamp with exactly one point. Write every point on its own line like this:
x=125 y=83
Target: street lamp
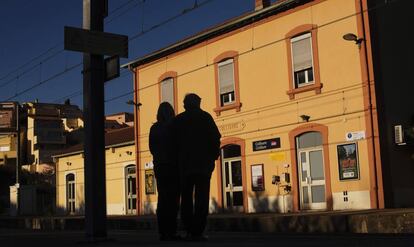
x=353 y=37
x=131 y=102
x=305 y=118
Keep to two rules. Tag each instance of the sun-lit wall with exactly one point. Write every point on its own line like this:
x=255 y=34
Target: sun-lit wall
x=117 y=159
x=337 y=106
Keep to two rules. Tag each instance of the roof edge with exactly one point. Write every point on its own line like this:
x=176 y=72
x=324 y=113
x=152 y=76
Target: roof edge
x=122 y=144
x=217 y=31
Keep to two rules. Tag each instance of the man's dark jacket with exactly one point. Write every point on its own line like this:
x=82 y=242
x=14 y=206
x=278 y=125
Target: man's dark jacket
x=197 y=141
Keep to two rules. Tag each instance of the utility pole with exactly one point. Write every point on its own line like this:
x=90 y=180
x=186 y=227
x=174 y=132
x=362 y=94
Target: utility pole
x=94 y=43
x=94 y=136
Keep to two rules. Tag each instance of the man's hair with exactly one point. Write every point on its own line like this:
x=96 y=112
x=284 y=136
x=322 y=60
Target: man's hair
x=192 y=101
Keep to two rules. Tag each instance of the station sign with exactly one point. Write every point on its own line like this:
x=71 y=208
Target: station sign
x=95 y=42
x=266 y=144
x=112 y=68
x=354 y=136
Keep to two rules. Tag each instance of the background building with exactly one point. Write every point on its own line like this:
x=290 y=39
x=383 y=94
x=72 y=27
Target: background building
x=43 y=130
x=119 y=120
x=47 y=128
x=9 y=150
x=120 y=175
x=8 y=133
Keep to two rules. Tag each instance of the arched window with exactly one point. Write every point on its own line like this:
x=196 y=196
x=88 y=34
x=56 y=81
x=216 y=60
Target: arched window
x=309 y=139
x=230 y=151
x=168 y=88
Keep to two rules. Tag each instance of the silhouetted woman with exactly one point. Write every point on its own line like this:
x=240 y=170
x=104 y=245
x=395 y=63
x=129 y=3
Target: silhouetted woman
x=166 y=172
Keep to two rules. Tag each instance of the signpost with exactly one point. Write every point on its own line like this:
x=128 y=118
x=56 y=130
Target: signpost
x=111 y=68
x=94 y=43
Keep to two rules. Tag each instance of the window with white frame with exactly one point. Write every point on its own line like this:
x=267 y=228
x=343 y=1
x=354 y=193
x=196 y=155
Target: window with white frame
x=70 y=193
x=226 y=82
x=167 y=91
x=302 y=59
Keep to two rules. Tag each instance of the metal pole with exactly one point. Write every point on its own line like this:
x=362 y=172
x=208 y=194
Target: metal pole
x=17 y=157
x=94 y=139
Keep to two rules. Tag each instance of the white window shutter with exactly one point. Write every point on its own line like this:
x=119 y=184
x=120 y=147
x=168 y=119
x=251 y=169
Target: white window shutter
x=167 y=91
x=302 y=54
x=226 y=76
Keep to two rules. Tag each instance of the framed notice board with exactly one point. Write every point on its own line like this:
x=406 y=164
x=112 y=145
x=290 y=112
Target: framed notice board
x=348 y=161
x=149 y=182
x=257 y=177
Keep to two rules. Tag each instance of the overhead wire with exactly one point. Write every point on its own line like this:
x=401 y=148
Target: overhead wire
x=125 y=11
x=135 y=36
x=45 y=81
x=29 y=62
x=194 y=70
x=31 y=68
x=184 y=12
x=251 y=50
x=116 y=164
x=339 y=114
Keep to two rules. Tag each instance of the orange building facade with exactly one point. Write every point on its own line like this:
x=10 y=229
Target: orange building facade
x=293 y=99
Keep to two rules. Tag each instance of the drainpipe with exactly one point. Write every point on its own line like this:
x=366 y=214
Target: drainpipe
x=17 y=107
x=137 y=142
x=374 y=151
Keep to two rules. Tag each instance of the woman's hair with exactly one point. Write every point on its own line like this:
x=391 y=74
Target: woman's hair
x=165 y=112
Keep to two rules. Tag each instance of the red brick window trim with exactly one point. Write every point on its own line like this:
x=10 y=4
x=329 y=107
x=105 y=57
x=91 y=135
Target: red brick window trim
x=316 y=85
x=225 y=59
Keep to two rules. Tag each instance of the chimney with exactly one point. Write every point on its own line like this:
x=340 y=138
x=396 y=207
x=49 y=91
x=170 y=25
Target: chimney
x=261 y=4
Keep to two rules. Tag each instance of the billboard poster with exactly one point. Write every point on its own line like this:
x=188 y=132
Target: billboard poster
x=348 y=161
x=149 y=182
x=257 y=177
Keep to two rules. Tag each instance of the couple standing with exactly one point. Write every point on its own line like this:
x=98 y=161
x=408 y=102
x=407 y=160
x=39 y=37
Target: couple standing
x=184 y=149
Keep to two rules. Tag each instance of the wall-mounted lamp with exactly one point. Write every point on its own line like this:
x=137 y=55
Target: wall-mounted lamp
x=128 y=152
x=305 y=118
x=69 y=163
x=131 y=102
x=353 y=37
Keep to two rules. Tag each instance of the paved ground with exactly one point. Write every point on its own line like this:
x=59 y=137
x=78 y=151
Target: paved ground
x=149 y=238
x=390 y=221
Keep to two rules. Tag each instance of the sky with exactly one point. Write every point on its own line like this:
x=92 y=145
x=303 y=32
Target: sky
x=34 y=65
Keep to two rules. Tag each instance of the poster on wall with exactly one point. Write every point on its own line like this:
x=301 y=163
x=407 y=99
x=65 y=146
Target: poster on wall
x=257 y=177
x=149 y=182
x=348 y=161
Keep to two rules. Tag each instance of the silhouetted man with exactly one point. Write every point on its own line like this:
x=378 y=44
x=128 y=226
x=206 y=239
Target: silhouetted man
x=198 y=142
